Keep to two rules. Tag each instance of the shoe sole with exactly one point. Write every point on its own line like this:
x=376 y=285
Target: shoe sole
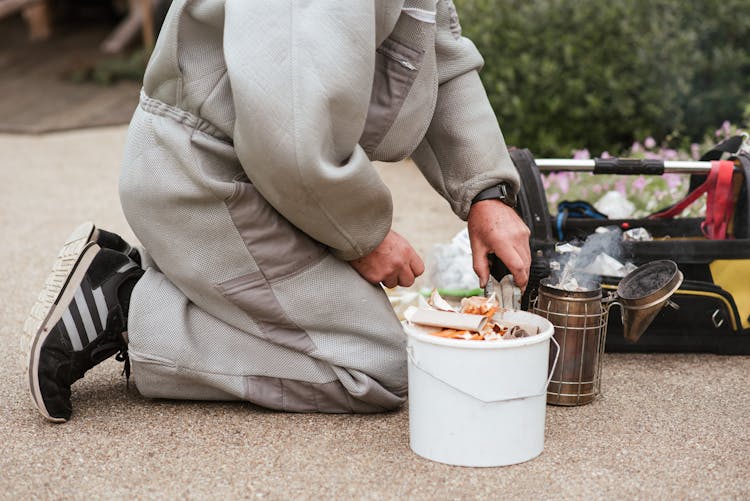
x=64 y=262
x=49 y=302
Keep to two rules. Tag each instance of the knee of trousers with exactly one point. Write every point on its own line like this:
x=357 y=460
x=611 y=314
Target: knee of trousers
x=396 y=380
x=397 y=368
x=377 y=385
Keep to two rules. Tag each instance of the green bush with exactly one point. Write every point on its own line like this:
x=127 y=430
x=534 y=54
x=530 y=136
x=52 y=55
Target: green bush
x=569 y=74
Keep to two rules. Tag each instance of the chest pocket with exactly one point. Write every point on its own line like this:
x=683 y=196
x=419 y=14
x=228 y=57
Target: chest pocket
x=398 y=62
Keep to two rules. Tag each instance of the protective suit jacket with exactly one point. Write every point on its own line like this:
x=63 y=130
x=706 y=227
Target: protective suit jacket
x=309 y=93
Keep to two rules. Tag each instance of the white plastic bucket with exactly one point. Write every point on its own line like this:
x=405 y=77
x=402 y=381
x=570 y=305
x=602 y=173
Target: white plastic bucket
x=479 y=403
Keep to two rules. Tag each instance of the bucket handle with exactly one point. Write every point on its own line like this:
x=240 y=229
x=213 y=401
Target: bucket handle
x=554 y=364
x=410 y=353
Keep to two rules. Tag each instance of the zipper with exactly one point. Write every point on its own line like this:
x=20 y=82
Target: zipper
x=400 y=60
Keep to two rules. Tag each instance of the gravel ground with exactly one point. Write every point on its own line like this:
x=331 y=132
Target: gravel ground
x=666 y=426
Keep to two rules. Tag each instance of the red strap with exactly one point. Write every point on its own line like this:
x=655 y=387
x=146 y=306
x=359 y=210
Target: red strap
x=691 y=197
x=719 y=203
x=683 y=204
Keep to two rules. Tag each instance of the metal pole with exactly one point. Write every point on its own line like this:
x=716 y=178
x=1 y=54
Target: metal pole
x=671 y=167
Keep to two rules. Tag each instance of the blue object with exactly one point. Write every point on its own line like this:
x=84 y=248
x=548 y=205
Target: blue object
x=576 y=209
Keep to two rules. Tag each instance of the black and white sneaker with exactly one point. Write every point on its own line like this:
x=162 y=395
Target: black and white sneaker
x=108 y=240
x=85 y=323
x=66 y=258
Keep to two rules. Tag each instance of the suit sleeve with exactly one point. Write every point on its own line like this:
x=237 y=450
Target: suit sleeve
x=464 y=150
x=301 y=78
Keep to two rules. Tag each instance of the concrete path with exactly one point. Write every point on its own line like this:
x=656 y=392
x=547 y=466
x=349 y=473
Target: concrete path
x=667 y=426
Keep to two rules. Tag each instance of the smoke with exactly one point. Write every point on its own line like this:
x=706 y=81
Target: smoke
x=579 y=264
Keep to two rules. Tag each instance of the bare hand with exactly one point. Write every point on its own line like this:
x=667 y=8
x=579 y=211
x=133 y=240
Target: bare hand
x=393 y=262
x=496 y=228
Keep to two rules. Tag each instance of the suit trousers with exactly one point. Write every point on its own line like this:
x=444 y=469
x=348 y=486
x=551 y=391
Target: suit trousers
x=237 y=303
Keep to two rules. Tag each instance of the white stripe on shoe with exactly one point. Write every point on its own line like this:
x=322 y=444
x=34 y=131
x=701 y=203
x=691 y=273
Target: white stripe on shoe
x=101 y=305
x=70 y=326
x=83 y=310
x=127 y=266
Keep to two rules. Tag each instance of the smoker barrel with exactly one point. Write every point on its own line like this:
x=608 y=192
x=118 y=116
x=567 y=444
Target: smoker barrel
x=580 y=322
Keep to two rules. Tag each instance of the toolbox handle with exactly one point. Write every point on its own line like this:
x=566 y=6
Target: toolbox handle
x=734 y=146
x=625 y=166
x=628 y=166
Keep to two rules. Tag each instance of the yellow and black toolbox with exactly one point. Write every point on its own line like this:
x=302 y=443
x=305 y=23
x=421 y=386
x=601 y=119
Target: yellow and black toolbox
x=712 y=252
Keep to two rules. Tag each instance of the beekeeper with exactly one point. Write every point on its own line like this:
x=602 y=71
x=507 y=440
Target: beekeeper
x=248 y=178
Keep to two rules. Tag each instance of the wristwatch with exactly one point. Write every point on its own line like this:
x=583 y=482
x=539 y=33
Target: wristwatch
x=503 y=192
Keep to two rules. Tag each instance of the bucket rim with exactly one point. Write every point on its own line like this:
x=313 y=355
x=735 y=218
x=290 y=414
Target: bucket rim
x=545 y=333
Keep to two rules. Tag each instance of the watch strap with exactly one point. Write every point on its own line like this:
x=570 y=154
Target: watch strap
x=503 y=192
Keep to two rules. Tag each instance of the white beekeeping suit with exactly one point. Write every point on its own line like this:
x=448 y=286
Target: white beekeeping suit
x=248 y=177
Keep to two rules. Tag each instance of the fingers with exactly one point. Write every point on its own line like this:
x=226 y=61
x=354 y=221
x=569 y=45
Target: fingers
x=394 y=262
x=524 y=249
x=521 y=277
x=390 y=281
x=406 y=277
x=405 y=274
x=517 y=261
x=417 y=265
x=481 y=264
x=410 y=271
x=494 y=227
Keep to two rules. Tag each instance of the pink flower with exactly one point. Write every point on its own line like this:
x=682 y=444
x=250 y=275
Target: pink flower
x=545 y=181
x=636 y=148
x=669 y=154
x=695 y=151
x=554 y=197
x=597 y=188
x=581 y=154
x=649 y=143
x=621 y=187
x=639 y=183
x=726 y=128
x=605 y=155
x=673 y=180
x=563 y=181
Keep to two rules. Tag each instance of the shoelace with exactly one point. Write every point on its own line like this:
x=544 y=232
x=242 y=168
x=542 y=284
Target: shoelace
x=112 y=341
x=122 y=356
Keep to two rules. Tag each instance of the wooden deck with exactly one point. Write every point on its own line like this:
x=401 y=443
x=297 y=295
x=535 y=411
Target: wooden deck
x=36 y=93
